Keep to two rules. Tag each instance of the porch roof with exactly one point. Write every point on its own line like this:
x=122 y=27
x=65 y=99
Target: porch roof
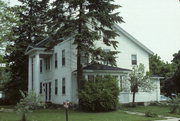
x=97 y=66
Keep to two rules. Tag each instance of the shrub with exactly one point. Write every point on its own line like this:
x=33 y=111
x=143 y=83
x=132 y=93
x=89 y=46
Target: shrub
x=100 y=95
x=29 y=101
x=149 y=113
x=175 y=105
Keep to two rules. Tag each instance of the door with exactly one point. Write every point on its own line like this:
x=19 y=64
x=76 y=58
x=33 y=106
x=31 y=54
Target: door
x=47 y=92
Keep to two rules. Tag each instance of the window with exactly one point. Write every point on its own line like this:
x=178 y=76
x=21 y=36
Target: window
x=56 y=61
x=106 y=62
x=121 y=82
x=63 y=58
x=84 y=58
x=48 y=62
x=40 y=91
x=134 y=59
x=90 y=77
x=32 y=71
x=115 y=77
x=56 y=87
x=98 y=77
x=63 y=86
x=41 y=66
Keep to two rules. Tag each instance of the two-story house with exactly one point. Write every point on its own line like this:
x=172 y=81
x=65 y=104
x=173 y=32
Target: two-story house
x=52 y=73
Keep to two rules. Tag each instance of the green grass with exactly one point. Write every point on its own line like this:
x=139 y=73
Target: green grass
x=160 y=110
x=59 y=115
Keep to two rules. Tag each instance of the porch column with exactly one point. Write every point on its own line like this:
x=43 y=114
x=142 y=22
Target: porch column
x=36 y=74
x=30 y=74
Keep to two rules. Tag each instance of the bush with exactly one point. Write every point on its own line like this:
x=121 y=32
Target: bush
x=150 y=114
x=29 y=101
x=101 y=95
x=175 y=105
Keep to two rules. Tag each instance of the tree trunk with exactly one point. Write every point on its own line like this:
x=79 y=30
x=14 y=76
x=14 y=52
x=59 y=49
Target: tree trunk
x=79 y=66
x=133 y=100
x=23 y=118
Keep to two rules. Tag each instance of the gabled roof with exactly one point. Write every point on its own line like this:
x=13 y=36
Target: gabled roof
x=49 y=42
x=97 y=66
x=119 y=29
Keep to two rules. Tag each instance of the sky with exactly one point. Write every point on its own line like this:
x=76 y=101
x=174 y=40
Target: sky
x=155 y=23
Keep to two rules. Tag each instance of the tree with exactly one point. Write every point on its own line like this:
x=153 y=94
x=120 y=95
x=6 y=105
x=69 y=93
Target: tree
x=30 y=30
x=139 y=80
x=8 y=20
x=29 y=101
x=86 y=21
x=160 y=68
x=166 y=70
x=176 y=76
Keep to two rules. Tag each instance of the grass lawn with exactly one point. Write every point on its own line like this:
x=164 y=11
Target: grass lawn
x=160 y=110
x=59 y=115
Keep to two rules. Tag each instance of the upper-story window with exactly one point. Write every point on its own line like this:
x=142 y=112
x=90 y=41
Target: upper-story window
x=41 y=66
x=63 y=58
x=134 y=59
x=106 y=62
x=84 y=58
x=48 y=63
x=55 y=60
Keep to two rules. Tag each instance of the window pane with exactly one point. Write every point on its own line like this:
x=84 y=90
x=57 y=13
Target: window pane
x=56 y=87
x=41 y=65
x=56 y=61
x=63 y=86
x=134 y=59
x=40 y=91
x=63 y=57
x=48 y=63
x=90 y=77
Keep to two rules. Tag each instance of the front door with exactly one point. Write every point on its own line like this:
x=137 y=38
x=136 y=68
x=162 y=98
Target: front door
x=47 y=92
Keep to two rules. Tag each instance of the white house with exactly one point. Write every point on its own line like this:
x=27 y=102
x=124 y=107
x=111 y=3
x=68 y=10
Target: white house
x=52 y=73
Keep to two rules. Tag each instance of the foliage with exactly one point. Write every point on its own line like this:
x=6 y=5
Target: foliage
x=175 y=105
x=149 y=113
x=29 y=101
x=30 y=30
x=160 y=68
x=176 y=76
x=139 y=80
x=8 y=20
x=166 y=70
x=86 y=21
x=101 y=95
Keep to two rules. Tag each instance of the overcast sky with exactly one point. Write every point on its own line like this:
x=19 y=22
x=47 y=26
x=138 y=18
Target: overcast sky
x=155 y=23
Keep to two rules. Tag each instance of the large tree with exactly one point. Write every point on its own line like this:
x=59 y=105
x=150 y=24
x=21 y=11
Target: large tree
x=8 y=20
x=176 y=76
x=86 y=21
x=165 y=70
x=30 y=30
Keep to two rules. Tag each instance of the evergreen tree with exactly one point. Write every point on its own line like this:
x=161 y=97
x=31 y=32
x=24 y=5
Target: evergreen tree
x=86 y=21
x=176 y=76
x=30 y=30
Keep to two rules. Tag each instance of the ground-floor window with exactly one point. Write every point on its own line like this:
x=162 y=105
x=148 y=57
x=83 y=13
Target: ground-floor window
x=40 y=91
x=56 y=87
x=63 y=86
x=91 y=78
